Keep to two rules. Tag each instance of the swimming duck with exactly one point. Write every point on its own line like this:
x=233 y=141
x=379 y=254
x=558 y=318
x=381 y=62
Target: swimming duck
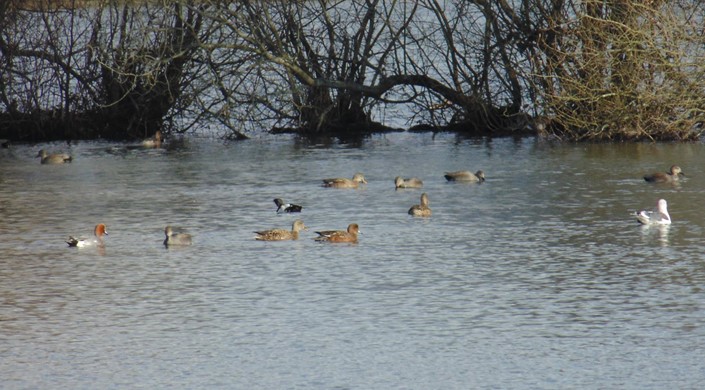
x=58 y=158
x=286 y=207
x=339 y=235
x=180 y=239
x=413 y=182
x=659 y=216
x=665 y=177
x=421 y=210
x=468 y=176
x=154 y=142
x=281 y=234
x=339 y=182
x=97 y=240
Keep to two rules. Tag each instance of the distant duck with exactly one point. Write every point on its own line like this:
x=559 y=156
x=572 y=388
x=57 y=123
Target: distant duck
x=286 y=207
x=467 y=176
x=339 y=235
x=153 y=142
x=176 y=239
x=665 y=177
x=421 y=210
x=659 y=216
x=413 y=182
x=338 y=182
x=57 y=158
x=281 y=234
x=96 y=240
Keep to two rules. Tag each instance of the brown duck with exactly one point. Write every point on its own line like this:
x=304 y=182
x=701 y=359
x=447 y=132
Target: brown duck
x=340 y=182
x=339 y=235
x=665 y=177
x=421 y=210
x=466 y=176
x=413 y=182
x=281 y=234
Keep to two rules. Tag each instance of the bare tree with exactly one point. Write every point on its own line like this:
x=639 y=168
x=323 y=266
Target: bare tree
x=299 y=64
x=42 y=82
x=588 y=70
x=143 y=57
x=112 y=70
x=476 y=49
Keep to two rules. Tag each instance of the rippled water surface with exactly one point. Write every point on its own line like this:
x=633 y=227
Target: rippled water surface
x=538 y=278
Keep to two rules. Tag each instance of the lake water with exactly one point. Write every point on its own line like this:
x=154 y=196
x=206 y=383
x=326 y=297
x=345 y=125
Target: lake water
x=537 y=278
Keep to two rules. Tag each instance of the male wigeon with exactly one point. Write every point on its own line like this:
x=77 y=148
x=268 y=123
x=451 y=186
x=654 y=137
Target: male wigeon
x=421 y=210
x=153 y=142
x=659 y=216
x=413 y=182
x=281 y=234
x=339 y=235
x=57 y=158
x=286 y=207
x=468 y=176
x=340 y=182
x=176 y=239
x=665 y=177
x=97 y=240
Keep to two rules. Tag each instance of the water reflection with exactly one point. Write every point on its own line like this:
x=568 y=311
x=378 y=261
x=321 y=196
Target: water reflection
x=656 y=233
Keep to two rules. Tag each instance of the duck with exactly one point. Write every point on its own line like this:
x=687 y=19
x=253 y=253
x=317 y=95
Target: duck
x=421 y=210
x=339 y=182
x=57 y=158
x=153 y=142
x=176 y=239
x=659 y=216
x=282 y=234
x=413 y=182
x=468 y=176
x=286 y=207
x=339 y=235
x=97 y=240
x=671 y=176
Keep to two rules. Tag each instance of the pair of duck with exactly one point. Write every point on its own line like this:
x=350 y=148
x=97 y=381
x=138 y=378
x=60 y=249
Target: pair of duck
x=462 y=176
x=172 y=238
x=349 y=235
x=63 y=158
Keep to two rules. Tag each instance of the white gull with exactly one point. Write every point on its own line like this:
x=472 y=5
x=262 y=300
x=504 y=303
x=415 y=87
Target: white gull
x=659 y=216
